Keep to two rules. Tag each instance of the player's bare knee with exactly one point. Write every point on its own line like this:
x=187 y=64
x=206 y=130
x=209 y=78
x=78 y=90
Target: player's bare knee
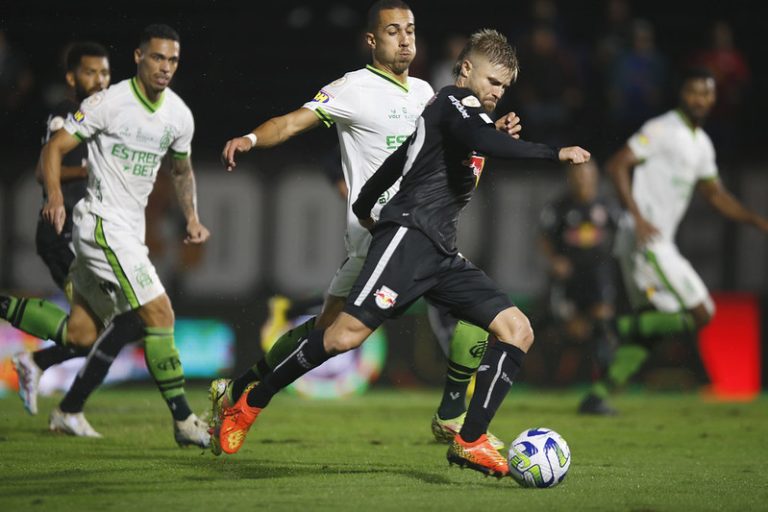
x=332 y=307
x=513 y=327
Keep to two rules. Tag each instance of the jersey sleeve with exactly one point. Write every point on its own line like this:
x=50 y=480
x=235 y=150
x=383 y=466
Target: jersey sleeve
x=708 y=168
x=89 y=119
x=181 y=147
x=334 y=103
x=647 y=141
x=471 y=125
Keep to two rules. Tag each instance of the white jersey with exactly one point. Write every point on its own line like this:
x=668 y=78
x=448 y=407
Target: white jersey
x=127 y=137
x=674 y=157
x=374 y=114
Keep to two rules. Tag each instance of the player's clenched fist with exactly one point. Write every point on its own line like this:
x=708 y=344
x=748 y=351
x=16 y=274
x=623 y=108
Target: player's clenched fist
x=54 y=213
x=574 y=155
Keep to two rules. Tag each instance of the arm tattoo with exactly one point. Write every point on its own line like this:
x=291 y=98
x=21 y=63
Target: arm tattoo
x=184 y=183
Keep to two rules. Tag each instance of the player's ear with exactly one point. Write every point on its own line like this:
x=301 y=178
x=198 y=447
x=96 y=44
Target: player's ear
x=137 y=55
x=370 y=40
x=70 y=78
x=466 y=69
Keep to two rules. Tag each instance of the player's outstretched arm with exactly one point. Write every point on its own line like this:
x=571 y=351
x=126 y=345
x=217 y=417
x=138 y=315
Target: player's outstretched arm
x=186 y=192
x=269 y=134
x=619 y=167
x=722 y=201
x=53 y=152
x=386 y=176
x=574 y=155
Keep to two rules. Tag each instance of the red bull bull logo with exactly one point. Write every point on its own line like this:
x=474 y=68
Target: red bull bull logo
x=476 y=163
x=385 y=297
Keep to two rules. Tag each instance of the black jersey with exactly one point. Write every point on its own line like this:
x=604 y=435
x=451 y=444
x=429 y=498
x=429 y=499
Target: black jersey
x=580 y=231
x=72 y=190
x=441 y=164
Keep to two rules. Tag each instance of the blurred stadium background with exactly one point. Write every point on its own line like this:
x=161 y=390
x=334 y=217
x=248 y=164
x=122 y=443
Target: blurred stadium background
x=591 y=72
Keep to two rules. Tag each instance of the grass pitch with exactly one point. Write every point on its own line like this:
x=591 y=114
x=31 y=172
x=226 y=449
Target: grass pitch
x=665 y=452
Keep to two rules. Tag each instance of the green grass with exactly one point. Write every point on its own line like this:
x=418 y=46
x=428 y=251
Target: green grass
x=665 y=452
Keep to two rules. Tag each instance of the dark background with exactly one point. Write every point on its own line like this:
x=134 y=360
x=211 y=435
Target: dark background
x=244 y=62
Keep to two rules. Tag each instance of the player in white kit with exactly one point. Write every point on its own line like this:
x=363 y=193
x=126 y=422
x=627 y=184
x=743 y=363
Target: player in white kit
x=374 y=109
x=129 y=128
x=672 y=157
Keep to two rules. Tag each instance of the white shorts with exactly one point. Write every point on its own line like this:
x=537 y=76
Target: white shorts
x=346 y=276
x=660 y=276
x=111 y=271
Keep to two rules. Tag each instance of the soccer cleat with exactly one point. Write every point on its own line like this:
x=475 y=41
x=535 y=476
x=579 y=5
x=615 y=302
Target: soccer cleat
x=593 y=404
x=478 y=455
x=445 y=430
x=235 y=423
x=29 y=379
x=73 y=424
x=220 y=394
x=191 y=432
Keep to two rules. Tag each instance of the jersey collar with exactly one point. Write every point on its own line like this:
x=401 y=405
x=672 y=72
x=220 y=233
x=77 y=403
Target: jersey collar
x=387 y=76
x=150 y=106
x=686 y=121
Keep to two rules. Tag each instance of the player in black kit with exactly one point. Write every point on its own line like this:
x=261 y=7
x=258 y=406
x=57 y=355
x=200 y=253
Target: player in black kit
x=577 y=234
x=414 y=254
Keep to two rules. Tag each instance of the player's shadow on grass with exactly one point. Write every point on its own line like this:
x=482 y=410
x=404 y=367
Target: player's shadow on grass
x=248 y=469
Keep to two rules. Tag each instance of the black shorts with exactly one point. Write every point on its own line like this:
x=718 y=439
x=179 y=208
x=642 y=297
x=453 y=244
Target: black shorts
x=592 y=285
x=54 y=250
x=403 y=265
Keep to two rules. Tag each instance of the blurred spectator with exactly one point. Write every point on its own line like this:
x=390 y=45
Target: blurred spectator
x=637 y=81
x=548 y=91
x=733 y=77
x=16 y=82
x=577 y=231
x=442 y=71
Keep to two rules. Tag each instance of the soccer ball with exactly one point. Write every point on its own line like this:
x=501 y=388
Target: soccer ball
x=539 y=457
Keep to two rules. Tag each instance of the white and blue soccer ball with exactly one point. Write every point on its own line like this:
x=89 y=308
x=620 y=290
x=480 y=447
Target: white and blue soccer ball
x=539 y=457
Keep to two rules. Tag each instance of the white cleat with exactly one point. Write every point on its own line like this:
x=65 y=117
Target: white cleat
x=29 y=379
x=73 y=424
x=191 y=432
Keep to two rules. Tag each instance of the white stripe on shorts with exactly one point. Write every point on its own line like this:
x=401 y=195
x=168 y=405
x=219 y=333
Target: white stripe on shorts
x=381 y=264
x=495 y=379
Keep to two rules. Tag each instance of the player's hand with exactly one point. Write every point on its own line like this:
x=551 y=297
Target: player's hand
x=54 y=213
x=574 y=155
x=196 y=233
x=561 y=268
x=510 y=124
x=233 y=146
x=645 y=232
x=367 y=223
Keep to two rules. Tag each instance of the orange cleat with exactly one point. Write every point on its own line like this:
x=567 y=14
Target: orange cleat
x=479 y=455
x=236 y=421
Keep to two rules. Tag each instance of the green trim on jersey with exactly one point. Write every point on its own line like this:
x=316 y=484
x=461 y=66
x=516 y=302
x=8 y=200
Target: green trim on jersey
x=122 y=278
x=324 y=116
x=178 y=155
x=150 y=106
x=655 y=264
x=79 y=136
x=687 y=121
x=387 y=76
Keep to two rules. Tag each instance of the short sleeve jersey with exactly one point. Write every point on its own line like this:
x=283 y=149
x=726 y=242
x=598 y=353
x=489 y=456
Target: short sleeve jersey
x=127 y=137
x=579 y=231
x=374 y=113
x=674 y=157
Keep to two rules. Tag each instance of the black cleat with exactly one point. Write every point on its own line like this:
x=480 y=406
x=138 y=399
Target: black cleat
x=593 y=404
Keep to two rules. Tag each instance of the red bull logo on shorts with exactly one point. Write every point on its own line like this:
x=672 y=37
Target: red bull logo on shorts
x=385 y=297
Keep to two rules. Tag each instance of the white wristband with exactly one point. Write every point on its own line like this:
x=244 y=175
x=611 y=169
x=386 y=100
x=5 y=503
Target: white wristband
x=251 y=137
